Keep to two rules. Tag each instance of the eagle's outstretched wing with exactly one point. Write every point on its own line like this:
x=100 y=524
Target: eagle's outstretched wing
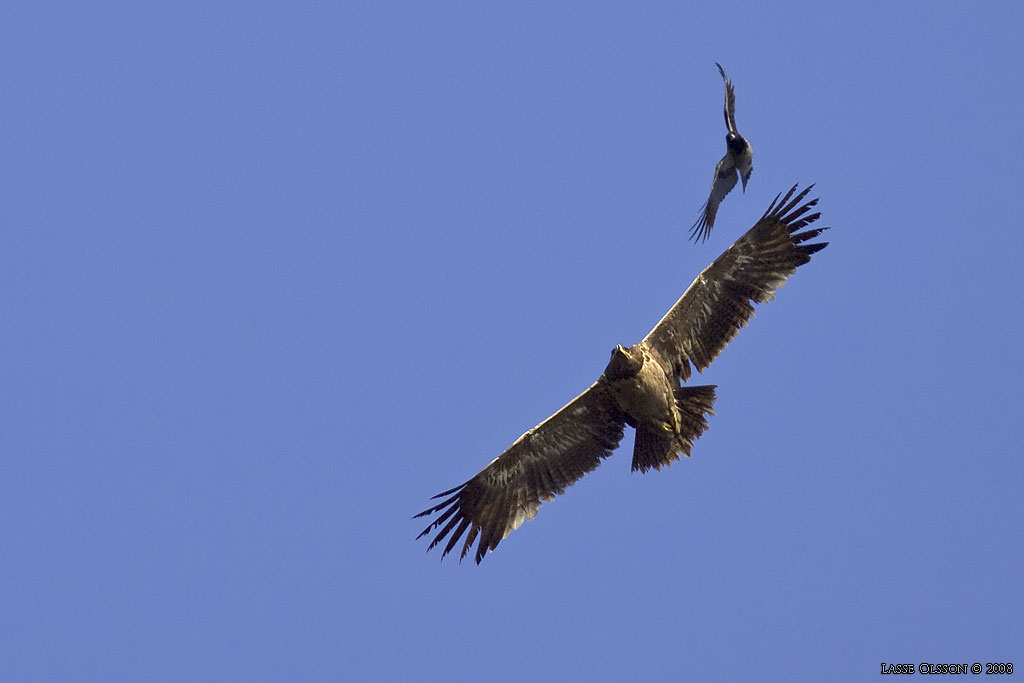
x=725 y=180
x=730 y=101
x=720 y=301
x=537 y=467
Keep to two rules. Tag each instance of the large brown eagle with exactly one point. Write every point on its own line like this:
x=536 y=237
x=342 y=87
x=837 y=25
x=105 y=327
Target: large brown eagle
x=640 y=387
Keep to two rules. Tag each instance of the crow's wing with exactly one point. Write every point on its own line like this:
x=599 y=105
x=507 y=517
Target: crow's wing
x=730 y=101
x=725 y=180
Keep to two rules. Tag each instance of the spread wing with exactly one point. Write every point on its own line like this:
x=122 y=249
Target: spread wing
x=537 y=467
x=730 y=101
x=720 y=301
x=725 y=180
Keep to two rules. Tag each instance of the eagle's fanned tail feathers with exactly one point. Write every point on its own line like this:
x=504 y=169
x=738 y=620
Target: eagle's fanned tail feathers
x=695 y=405
x=654 y=449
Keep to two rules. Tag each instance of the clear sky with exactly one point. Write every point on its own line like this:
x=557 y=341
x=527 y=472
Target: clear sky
x=271 y=276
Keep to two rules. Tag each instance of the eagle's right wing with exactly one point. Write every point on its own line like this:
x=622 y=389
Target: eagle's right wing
x=720 y=301
x=537 y=467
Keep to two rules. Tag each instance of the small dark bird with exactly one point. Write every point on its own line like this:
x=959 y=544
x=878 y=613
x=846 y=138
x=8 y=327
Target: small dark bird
x=739 y=156
x=640 y=387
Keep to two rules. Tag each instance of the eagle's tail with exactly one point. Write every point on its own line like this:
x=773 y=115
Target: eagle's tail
x=654 y=448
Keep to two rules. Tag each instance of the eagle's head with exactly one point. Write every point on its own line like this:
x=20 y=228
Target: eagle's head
x=624 y=363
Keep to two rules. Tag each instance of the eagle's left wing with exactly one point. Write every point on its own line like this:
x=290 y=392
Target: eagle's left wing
x=537 y=467
x=720 y=301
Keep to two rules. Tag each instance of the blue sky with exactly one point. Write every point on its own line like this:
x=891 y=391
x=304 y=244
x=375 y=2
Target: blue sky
x=271 y=276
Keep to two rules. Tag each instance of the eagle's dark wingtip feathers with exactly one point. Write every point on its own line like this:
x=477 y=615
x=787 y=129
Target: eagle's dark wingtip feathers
x=800 y=237
x=812 y=248
x=771 y=207
x=444 y=503
x=789 y=202
x=444 y=532
x=449 y=491
x=803 y=222
x=456 y=535
x=790 y=212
